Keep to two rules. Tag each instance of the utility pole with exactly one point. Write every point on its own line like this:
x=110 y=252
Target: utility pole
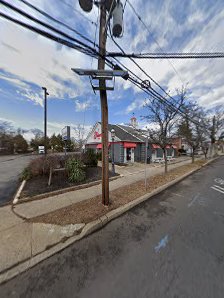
x=115 y=10
x=104 y=107
x=146 y=153
x=45 y=119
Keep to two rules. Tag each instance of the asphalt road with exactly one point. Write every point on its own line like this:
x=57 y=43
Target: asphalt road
x=10 y=168
x=169 y=246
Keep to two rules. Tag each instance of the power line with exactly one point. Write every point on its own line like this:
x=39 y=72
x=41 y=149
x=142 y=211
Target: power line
x=48 y=35
x=157 y=84
x=90 y=51
x=77 y=11
x=168 y=55
x=146 y=27
x=54 y=19
x=152 y=92
x=30 y=17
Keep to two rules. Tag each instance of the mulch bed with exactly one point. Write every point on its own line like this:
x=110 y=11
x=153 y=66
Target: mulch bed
x=91 y=209
x=39 y=185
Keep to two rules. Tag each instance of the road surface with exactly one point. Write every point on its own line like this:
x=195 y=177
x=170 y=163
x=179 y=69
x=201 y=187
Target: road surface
x=10 y=168
x=170 y=246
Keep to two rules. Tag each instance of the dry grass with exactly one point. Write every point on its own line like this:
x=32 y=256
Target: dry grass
x=91 y=209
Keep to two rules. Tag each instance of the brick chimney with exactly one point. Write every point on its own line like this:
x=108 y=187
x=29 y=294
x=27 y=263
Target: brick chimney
x=134 y=122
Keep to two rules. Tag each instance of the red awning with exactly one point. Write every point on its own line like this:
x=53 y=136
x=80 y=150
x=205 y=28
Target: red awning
x=99 y=146
x=129 y=145
x=154 y=146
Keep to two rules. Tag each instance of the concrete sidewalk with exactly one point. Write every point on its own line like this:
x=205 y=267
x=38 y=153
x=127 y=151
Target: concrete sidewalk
x=39 y=207
x=22 y=240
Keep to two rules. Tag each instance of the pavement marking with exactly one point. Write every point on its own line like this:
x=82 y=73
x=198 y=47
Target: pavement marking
x=219 y=181
x=217 y=189
x=162 y=244
x=176 y=194
x=217 y=186
x=193 y=200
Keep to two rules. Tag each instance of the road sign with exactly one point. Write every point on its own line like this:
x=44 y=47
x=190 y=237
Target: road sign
x=66 y=136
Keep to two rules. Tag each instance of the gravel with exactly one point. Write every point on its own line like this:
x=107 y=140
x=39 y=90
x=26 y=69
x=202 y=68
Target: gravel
x=91 y=209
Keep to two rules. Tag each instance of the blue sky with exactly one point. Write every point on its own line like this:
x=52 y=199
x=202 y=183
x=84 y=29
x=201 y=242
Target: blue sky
x=29 y=61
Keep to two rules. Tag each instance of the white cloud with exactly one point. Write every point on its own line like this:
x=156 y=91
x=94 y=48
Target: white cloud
x=40 y=62
x=200 y=75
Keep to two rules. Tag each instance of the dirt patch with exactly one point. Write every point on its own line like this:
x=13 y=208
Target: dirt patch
x=89 y=210
x=39 y=185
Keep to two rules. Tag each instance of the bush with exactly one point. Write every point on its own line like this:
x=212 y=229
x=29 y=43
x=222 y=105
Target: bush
x=89 y=158
x=75 y=170
x=26 y=174
x=36 y=166
x=41 y=165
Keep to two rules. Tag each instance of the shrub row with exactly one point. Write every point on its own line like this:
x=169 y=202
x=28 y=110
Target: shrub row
x=73 y=163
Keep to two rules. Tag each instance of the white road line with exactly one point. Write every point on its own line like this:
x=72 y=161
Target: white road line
x=193 y=200
x=217 y=186
x=217 y=189
x=176 y=194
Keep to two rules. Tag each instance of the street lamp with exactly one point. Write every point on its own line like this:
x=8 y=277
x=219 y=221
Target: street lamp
x=112 y=137
x=146 y=156
x=45 y=119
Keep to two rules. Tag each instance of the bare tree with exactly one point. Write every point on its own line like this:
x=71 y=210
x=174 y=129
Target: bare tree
x=5 y=127
x=193 y=128
x=164 y=118
x=79 y=136
x=215 y=123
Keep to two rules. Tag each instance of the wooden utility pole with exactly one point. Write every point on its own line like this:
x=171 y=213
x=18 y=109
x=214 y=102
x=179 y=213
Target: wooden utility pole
x=104 y=107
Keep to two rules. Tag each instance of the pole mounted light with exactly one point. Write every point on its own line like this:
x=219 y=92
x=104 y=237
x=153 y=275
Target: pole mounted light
x=146 y=155
x=45 y=119
x=113 y=137
x=102 y=75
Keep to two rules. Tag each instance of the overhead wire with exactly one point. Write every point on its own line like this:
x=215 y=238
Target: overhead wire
x=90 y=51
x=79 y=12
x=151 y=91
x=146 y=27
x=32 y=18
x=54 y=19
x=48 y=35
x=168 y=55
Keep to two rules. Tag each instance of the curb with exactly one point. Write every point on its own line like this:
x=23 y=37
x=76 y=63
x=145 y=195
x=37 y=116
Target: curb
x=18 y=193
x=89 y=228
x=61 y=191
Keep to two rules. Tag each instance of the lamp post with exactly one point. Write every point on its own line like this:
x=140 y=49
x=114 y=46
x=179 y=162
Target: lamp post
x=146 y=155
x=45 y=119
x=112 y=137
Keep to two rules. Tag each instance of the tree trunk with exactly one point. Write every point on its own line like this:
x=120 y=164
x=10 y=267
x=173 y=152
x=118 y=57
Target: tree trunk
x=192 y=157
x=165 y=159
x=211 y=150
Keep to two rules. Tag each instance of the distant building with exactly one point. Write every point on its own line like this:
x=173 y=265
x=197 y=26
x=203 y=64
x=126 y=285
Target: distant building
x=129 y=143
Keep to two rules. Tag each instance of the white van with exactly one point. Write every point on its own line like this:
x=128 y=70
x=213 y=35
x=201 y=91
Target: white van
x=41 y=149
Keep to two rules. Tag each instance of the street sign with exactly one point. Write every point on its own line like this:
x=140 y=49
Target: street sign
x=66 y=136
